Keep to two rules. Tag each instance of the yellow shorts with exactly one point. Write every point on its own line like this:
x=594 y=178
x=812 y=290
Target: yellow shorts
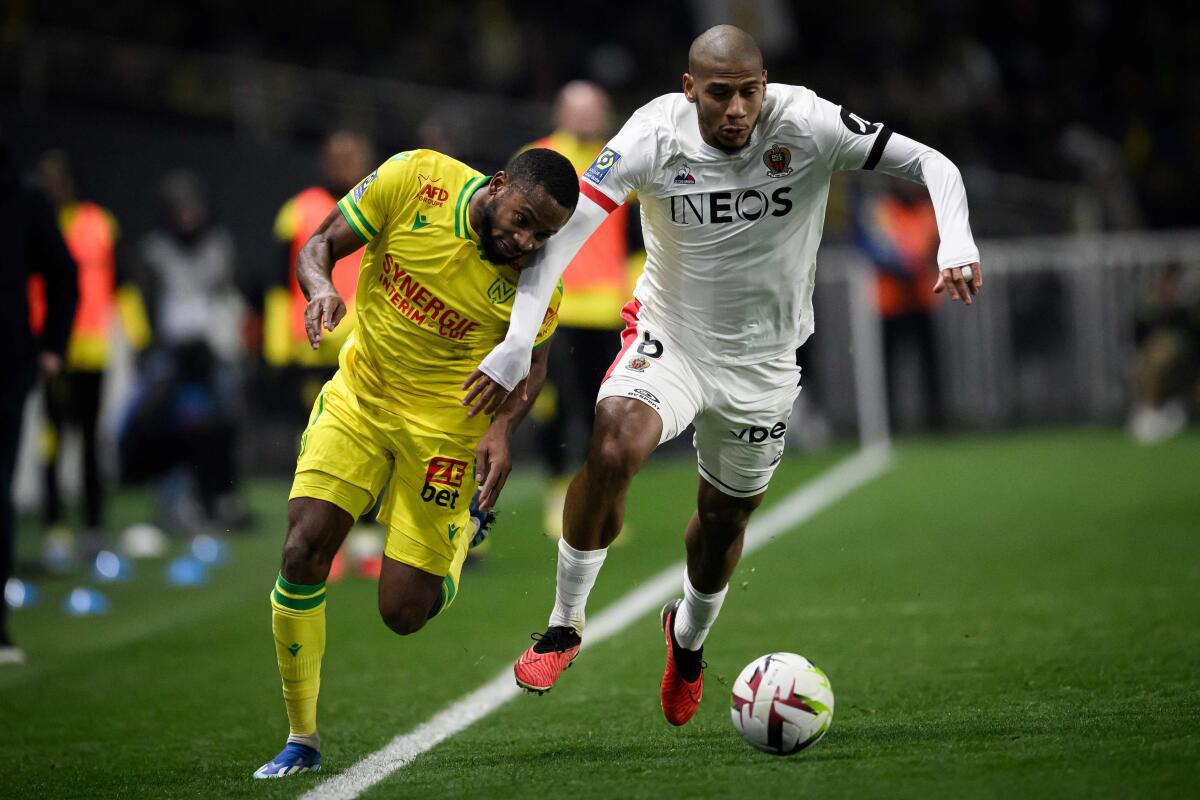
x=352 y=452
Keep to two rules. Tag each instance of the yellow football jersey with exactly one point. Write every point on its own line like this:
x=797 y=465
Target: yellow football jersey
x=430 y=306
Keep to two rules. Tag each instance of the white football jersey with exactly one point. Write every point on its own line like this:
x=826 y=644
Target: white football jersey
x=731 y=239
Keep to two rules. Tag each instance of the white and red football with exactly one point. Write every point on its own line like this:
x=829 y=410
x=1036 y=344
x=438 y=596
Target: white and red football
x=782 y=703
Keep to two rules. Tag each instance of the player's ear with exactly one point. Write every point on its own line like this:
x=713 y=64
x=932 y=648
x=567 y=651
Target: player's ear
x=764 y=78
x=689 y=87
x=498 y=182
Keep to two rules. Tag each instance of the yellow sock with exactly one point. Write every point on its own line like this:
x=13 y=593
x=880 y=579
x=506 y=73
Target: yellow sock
x=298 y=622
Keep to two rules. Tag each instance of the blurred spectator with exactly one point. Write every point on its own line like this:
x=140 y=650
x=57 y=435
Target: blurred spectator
x=436 y=132
x=32 y=245
x=72 y=398
x=182 y=421
x=595 y=286
x=346 y=158
x=1167 y=363
x=898 y=231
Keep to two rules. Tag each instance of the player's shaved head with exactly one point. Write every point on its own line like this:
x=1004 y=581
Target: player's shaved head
x=723 y=46
x=727 y=82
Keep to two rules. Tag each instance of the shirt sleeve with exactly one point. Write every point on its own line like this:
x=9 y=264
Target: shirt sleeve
x=906 y=158
x=369 y=205
x=509 y=361
x=846 y=140
x=623 y=166
x=850 y=142
x=550 y=320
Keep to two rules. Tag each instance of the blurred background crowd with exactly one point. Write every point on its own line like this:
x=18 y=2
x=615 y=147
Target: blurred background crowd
x=188 y=150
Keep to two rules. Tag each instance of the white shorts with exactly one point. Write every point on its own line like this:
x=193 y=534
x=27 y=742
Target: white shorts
x=740 y=411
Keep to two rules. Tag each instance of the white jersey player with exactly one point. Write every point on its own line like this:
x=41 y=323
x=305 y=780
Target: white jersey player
x=732 y=176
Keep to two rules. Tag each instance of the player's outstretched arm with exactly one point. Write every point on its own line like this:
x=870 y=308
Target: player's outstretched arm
x=493 y=461
x=332 y=240
x=509 y=362
x=907 y=158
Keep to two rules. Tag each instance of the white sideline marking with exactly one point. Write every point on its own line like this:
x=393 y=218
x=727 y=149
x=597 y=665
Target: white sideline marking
x=788 y=514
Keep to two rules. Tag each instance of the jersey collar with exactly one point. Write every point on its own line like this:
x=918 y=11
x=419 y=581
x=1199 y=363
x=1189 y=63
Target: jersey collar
x=462 y=206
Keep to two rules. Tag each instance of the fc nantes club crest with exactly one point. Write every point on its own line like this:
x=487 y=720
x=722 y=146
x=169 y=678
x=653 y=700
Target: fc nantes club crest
x=777 y=160
x=501 y=291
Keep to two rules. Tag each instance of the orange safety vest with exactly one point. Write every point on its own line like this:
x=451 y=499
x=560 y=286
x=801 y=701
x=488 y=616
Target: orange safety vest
x=596 y=283
x=91 y=237
x=913 y=233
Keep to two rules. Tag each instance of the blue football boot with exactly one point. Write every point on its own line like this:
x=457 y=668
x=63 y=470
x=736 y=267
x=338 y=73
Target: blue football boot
x=292 y=760
x=482 y=521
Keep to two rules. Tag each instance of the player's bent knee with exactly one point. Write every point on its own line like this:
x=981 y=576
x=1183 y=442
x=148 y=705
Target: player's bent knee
x=316 y=530
x=403 y=618
x=304 y=559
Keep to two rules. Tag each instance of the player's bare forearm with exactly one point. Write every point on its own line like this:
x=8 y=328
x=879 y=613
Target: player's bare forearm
x=314 y=267
x=332 y=240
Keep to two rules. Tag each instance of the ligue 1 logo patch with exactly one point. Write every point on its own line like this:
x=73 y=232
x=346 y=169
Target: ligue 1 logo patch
x=604 y=162
x=777 y=160
x=638 y=364
x=361 y=189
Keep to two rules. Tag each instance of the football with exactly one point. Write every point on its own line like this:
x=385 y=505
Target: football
x=782 y=703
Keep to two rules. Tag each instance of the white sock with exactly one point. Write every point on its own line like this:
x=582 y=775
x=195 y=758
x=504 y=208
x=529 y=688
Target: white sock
x=696 y=614
x=577 y=571
x=313 y=739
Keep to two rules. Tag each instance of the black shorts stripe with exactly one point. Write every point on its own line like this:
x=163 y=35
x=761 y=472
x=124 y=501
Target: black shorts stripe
x=740 y=492
x=876 y=153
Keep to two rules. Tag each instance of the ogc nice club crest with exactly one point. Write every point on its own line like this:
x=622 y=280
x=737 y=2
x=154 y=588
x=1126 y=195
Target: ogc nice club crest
x=777 y=160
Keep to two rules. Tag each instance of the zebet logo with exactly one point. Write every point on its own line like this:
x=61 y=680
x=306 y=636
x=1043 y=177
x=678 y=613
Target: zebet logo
x=445 y=472
x=724 y=207
x=756 y=434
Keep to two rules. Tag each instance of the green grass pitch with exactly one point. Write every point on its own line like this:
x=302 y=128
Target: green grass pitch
x=999 y=617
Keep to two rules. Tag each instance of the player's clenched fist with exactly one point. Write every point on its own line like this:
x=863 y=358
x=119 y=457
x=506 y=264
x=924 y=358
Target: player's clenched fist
x=323 y=313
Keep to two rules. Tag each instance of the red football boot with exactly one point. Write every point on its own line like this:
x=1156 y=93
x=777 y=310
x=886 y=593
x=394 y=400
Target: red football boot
x=552 y=652
x=680 y=696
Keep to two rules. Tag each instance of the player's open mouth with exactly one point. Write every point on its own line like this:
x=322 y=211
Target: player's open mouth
x=506 y=249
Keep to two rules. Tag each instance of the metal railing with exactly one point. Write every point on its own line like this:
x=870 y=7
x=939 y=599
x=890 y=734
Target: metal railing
x=1051 y=339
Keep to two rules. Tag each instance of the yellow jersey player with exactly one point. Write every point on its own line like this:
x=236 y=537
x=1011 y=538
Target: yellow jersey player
x=443 y=250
